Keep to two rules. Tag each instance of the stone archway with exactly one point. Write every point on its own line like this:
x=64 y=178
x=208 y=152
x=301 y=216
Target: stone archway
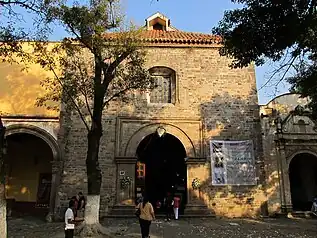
x=138 y=136
x=33 y=134
x=156 y=154
x=303 y=180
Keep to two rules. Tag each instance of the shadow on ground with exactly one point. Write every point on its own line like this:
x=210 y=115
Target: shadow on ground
x=208 y=227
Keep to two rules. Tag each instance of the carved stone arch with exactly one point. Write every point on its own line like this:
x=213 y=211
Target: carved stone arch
x=138 y=136
x=293 y=155
x=38 y=132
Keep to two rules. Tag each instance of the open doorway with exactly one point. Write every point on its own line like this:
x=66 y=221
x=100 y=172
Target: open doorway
x=161 y=168
x=303 y=181
x=29 y=174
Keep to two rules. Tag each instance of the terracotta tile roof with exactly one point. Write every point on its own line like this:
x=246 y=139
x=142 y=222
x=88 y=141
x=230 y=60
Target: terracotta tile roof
x=174 y=37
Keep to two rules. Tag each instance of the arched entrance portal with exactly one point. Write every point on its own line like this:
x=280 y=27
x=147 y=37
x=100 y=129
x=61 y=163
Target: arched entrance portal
x=161 y=168
x=29 y=174
x=303 y=181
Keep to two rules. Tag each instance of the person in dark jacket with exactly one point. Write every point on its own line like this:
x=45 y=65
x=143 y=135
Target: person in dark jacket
x=168 y=204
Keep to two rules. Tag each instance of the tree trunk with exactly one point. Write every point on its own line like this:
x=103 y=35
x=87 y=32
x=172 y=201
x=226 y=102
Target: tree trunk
x=91 y=226
x=92 y=164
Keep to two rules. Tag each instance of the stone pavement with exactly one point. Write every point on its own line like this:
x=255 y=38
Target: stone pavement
x=218 y=228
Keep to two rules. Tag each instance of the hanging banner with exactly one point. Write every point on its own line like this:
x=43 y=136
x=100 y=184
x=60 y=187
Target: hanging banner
x=232 y=162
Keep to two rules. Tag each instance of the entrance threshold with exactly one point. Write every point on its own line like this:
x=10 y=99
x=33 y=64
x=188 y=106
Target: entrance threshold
x=298 y=214
x=162 y=216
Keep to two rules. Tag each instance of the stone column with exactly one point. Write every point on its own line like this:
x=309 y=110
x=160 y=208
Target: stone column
x=53 y=196
x=286 y=200
x=125 y=168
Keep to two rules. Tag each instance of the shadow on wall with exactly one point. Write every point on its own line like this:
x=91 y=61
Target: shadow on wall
x=229 y=118
x=20 y=88
x=225 y=117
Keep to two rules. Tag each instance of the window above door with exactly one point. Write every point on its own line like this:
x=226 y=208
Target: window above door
x=165 y=86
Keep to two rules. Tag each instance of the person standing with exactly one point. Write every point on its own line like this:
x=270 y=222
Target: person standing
x=81 y=204
x=176 y=206
x=70 y=220
x=75 y=200
x=168 y=203
x=314 y=206
x=146 y=216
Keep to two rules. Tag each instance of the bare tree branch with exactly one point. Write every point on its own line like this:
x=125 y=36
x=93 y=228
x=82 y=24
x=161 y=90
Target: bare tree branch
x=84 y=91
x=287 y=65
x=24 y=4
x=108 y=73
x=118 y=94
x=51 y=68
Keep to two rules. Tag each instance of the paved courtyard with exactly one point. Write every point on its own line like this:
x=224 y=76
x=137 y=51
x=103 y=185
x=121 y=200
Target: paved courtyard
x=246 y=228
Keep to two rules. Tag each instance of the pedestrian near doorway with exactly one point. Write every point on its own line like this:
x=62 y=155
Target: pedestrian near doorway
x=70 y=220
x=81 y=205
x=314 y=206
x=168 y=203
x=146 y=216
x=75 y=200
x=176 y=206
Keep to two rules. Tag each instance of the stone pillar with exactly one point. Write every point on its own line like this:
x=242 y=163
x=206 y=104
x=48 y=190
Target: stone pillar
x=53 y=193
x=286 y=200
x=125 y=168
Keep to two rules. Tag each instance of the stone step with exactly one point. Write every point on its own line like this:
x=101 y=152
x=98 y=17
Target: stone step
x=298 y=214
x=162 y=216
x=121 y=211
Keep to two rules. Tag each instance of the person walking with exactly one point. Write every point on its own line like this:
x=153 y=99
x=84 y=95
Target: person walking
x=70 y=220
x=176 y=206
x=146 y=216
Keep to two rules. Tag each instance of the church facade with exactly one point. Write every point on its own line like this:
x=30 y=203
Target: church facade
x=161 y=141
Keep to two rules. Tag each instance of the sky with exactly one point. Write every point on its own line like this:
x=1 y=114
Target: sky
x=193 y=16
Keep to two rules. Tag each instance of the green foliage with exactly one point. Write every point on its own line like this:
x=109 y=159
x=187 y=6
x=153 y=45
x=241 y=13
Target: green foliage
x=267 y=29
x=14 y=13
x=91 y=64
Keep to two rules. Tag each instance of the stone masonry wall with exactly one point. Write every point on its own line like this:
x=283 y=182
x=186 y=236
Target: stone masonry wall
x=223 y=99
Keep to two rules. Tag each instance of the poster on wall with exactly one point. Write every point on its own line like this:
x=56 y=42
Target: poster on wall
x=232 y=162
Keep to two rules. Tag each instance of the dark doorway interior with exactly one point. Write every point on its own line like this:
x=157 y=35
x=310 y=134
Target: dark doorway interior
x=161 y=168
x=303 y=181
x=28 y=165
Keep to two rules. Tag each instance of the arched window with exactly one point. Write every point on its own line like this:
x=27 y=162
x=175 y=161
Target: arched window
x=165 y=89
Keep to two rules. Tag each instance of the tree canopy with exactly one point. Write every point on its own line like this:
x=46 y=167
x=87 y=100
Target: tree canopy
x=22 y=20
x=270 y=29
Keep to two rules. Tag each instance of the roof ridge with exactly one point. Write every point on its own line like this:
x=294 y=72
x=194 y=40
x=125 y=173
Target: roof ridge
x=175 y=37
x=181 y=31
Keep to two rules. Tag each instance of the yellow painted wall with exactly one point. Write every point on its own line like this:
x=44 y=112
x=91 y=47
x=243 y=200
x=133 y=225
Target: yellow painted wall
x=20 y=88
x=27 y=158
